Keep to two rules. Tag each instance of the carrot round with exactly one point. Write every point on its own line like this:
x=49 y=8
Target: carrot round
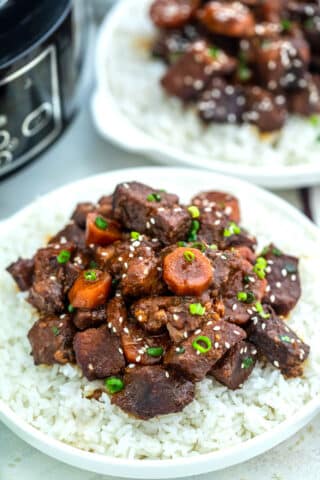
x=91 y=289
x=187 y=271
x=101 y=231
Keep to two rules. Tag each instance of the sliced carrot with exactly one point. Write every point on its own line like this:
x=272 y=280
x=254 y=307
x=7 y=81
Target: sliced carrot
x=187 y=271
x=90 y=293
x=101 y=231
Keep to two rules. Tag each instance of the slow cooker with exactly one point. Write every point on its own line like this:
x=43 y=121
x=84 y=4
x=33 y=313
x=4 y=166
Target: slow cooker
x=42 y=55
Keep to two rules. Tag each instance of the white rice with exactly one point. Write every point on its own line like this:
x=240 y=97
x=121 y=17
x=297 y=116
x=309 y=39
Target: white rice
x=133 y=79
x=52 y=399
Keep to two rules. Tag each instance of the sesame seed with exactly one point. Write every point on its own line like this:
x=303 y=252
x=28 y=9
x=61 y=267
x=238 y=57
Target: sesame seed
x=124 y=275
x=125 y=265
x=209 y=323
x=63 y=315
x=268 y=288
x=272 y=298
x=167 y=374
x=185 y=334
x=216 y=328
x=227 y=345
x=216 y=345
x=90 y=366
x=120 y=259
x=263 y=326
x=52 y=277
x=276 y=363
x=268 y=269
x=278 y=284
x=152 y=220
x=293 y=278
x=175 y=317
x=197 y=331
x=126 y=330
x=131 y=365
x=120 y=350
x=234 y=307
x=236 y=332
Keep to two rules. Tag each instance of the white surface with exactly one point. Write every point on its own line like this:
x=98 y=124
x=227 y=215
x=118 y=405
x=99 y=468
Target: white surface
x=82 y=153
x=117 y=128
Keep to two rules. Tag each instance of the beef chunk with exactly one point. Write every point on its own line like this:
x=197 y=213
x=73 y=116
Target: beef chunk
x=85 y=318
x=195 y=365
x=190 y=74
x=306 y=101
x=116 y=314
x=151 y=391
x=51 y=340
x=71 y=233
x=171 y=44
x=221 y=102
x=22 y=273
x=135 y=343
x=98 y=353
x=219 y=204
x=80 y=213
x=278 y=343
x=172 y=13
x=282 y=274
x=264 y=110
x=173 y=312
x=236 y=366
x=232 y=19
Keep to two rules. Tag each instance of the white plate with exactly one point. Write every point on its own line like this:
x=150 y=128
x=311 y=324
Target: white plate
x=185 y=182
x=117 y=128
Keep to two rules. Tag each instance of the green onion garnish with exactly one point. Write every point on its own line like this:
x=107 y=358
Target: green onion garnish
x=135 y=235
x=260 y=310
x=114 y=384
x=246 y=279
x=314 y=120
x=197 y=309
x=213 y=52
x=309 y=24
x=189 y=256
x=64 y=256
x=247 y=362
x=71 y=308
x=276 y=252
x=55 y=331
x=154 y=197
x=246 y=297
x=195 y=226
x=180 y=350
x=194 y=211
x=101 y=223
x=198 y=344
x=155 y=351
x=90 y=275
x=213 y=247
x=260 y=267
x=93 y=264
x=285 y=338
x=182 y=244
x=286 y=24
x=244 y=73
x=199 y=246
x=232 y=229
x=264 y=251
x=242 y=296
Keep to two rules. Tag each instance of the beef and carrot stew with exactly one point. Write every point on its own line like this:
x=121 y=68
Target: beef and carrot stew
x=151 y=296
x=249 y=61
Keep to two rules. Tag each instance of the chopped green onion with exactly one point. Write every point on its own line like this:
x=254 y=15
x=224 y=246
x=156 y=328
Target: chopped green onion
x=286 y=24
x=195 y=226
x=198 y=344
x=55 y=331
x=182 y=244
x=291 y=268
x=71 y=308
x=244 y=73
x=90 y=275
x=213 y=247
x=314 y=120
x=264 y=251
x=194 y=211
x=154 y=197
x=114 y=384
x=199 y=246
x=261 y=312
x=242 y=296
x=135 y=235
x=64 y=256
x=246 y=297
x=101 y=223
x=93 y=264
x=232 y=229
x=260 y=267
x=213 y=52
x=309 y=24
x=276 y=252
x=247 y=362
x=155 y=351
x=197 y=309
x=115 y=282
x=246 y=279
x=189 y=256
x=180 y=350
x=285 y=338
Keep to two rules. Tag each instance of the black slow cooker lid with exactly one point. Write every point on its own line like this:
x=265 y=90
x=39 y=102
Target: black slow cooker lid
x=24 y=23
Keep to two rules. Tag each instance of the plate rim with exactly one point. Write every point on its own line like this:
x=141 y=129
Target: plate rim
x=182 y=466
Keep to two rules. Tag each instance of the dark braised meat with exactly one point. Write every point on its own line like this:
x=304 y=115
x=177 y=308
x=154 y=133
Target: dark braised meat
x=173 y=13
x=71 y=233
x=219 y=204
x=306 y=101
x=236 y=366
x=116 y=312
x=193 y=357
x=86 y=318
x=227 y=18
x=171 y=44
x=144 y=210
x=282 y=274
x=263 y=110
x=98 y=353
x=278 y=343
x=51 y=340
x=151 y=391
x=22 y=273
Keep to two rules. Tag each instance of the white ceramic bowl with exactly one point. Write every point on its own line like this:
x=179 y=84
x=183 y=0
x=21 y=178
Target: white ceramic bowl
x=185 y=182
x=114 y=126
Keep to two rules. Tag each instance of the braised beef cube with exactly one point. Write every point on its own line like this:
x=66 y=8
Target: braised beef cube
x=158 y=214
x=142 y=348
x=271 y=10
x=236 y=366
x=190 y=74
x=71 y=233
x=79 y=216
x=98 y=353
x=117 y=315
x=221 y=102
x=278 y=343
x=246 y=253
x=282 y=274
x=174 y=313
x=306 y=101
x=51 y=340
x=85 y=318
x=172 y=13
x=263 y=110
x=218 y=203
x=282 y=63
x=232 y=19
x=196 y=355
x=151 y=391
x=22 y=273
x=170 y=45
